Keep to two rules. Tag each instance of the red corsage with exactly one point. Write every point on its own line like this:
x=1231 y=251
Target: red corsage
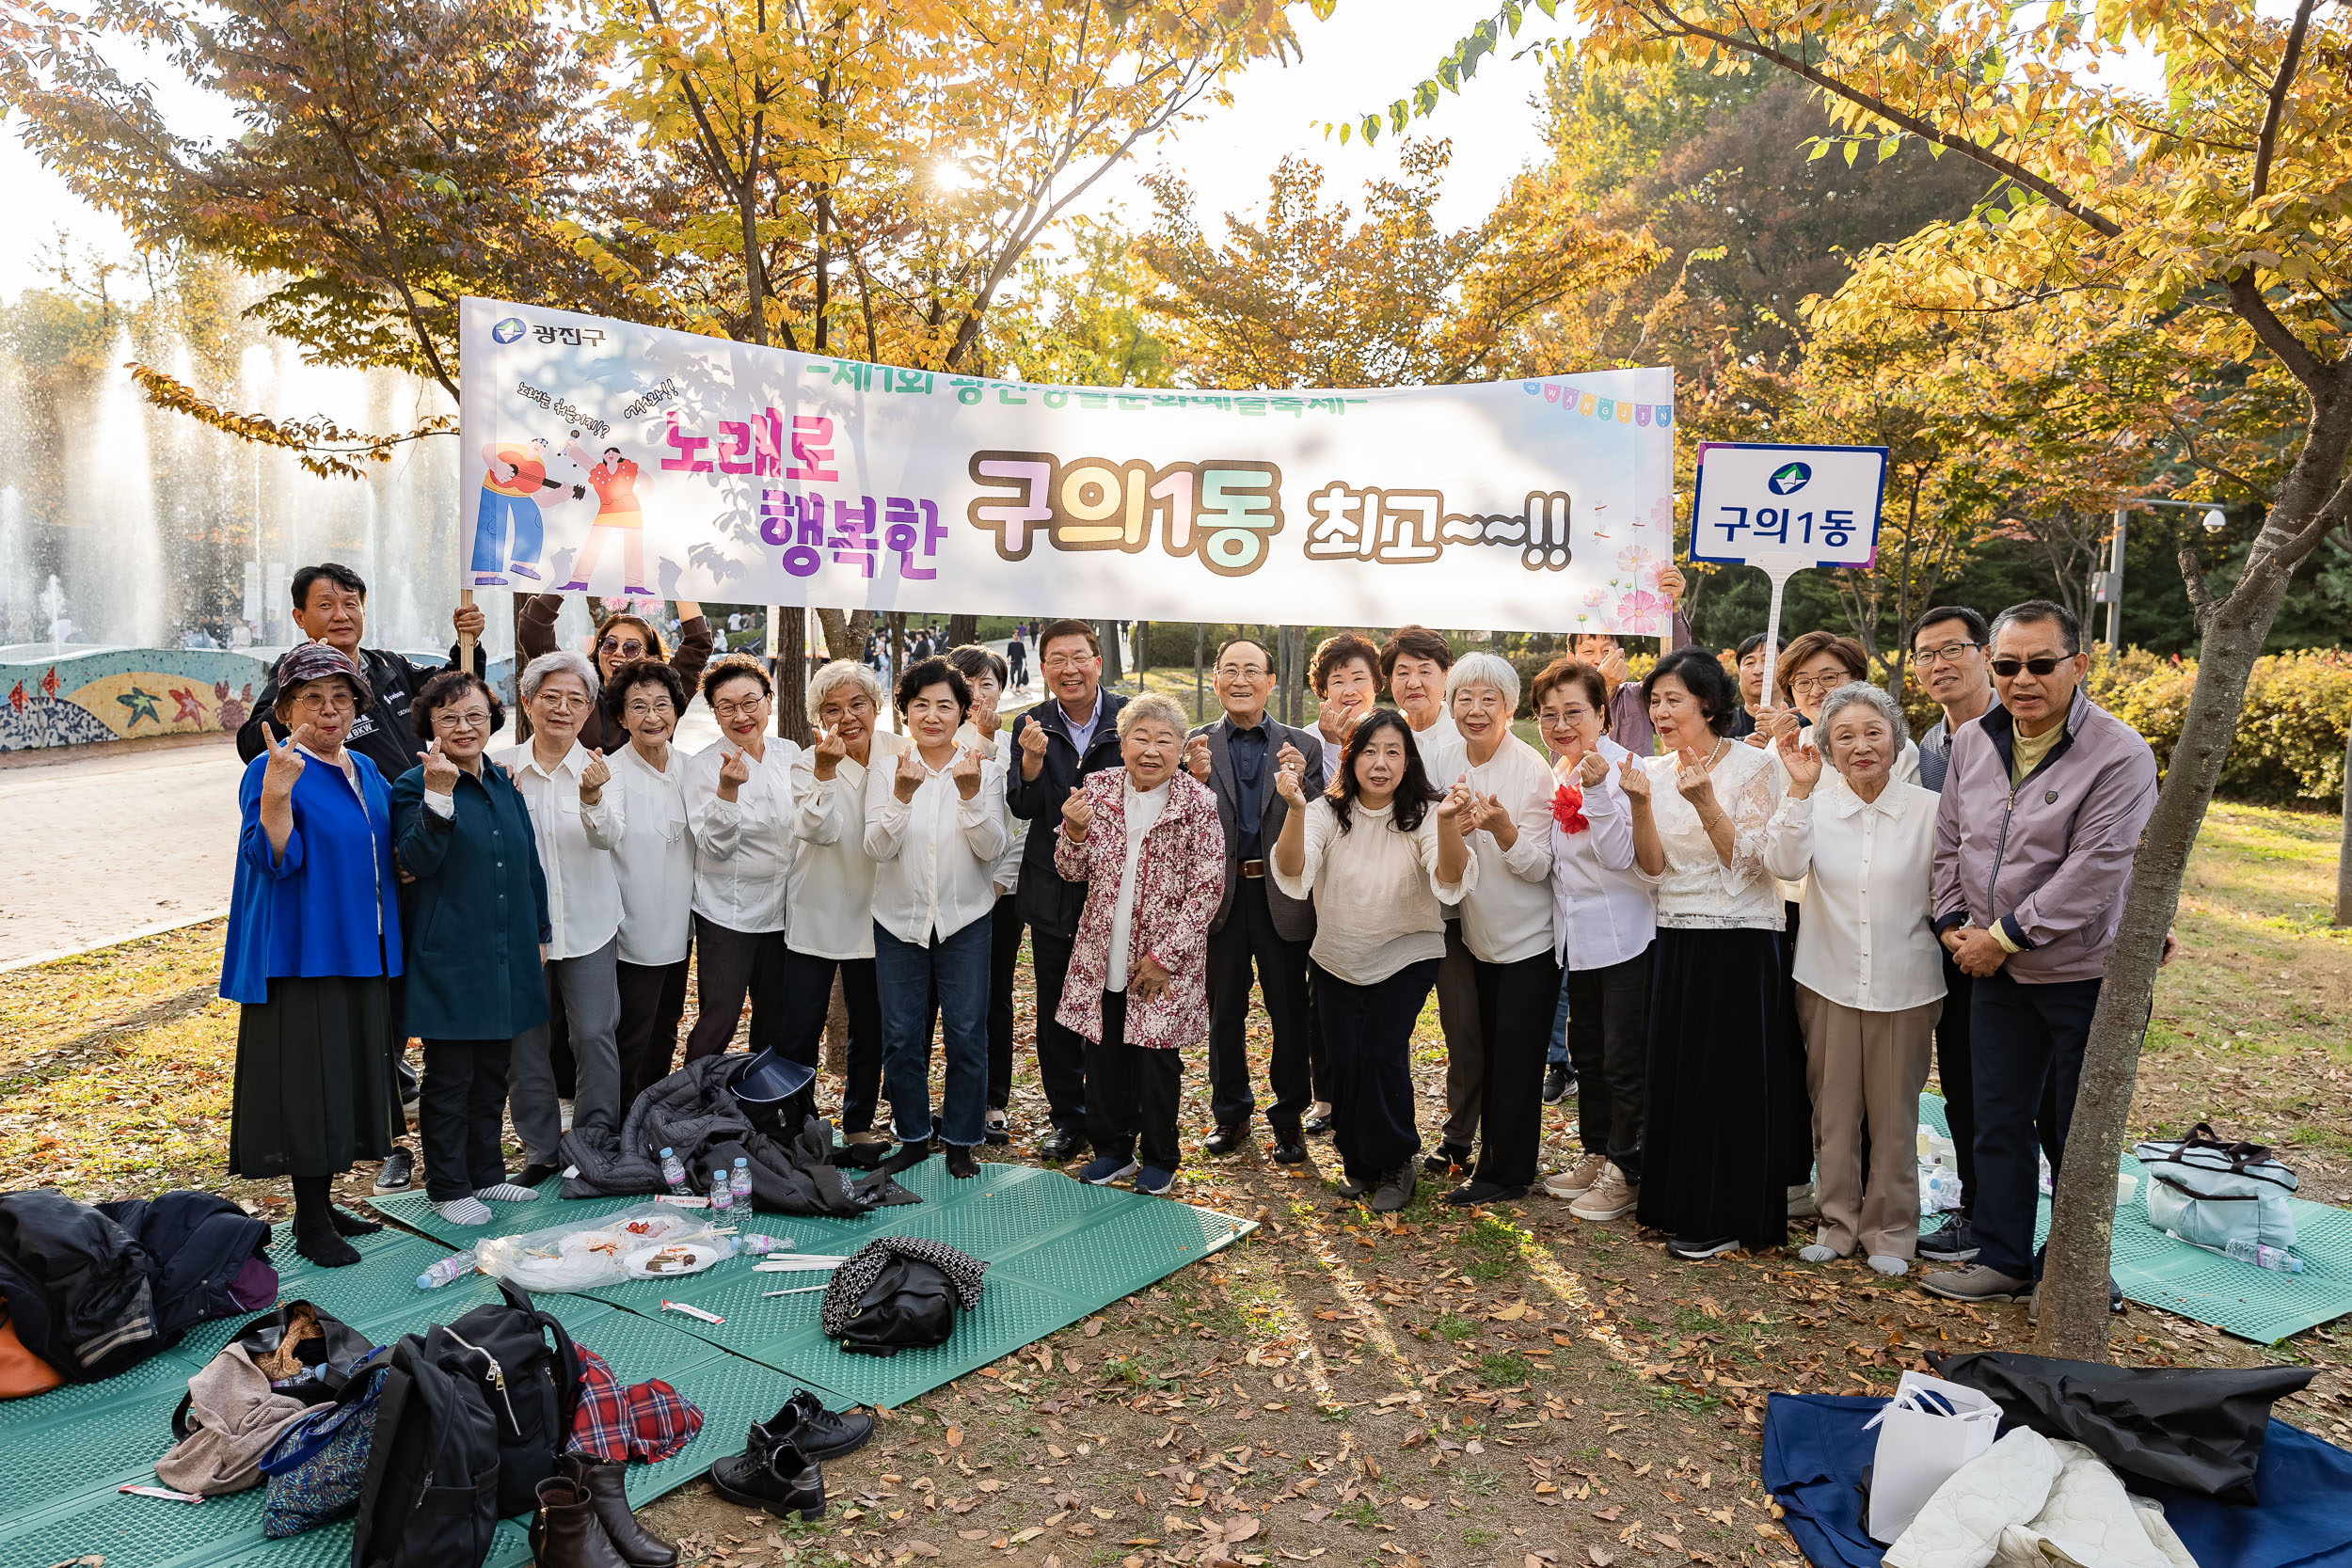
x=1568 y=809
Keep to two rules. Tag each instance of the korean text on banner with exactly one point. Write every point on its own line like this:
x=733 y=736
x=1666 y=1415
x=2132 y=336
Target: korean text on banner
x=611 y=458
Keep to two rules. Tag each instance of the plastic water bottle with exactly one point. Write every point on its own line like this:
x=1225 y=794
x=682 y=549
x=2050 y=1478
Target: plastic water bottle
x=722 y=1196
x=2263 y=1257
x=740 y=1179
x=759 y=1245
x=448 y=1271
x=673 y=1173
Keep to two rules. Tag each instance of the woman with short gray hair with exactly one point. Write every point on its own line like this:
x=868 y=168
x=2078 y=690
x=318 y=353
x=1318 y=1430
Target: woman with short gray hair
x=831 y=930
x=1869 y=974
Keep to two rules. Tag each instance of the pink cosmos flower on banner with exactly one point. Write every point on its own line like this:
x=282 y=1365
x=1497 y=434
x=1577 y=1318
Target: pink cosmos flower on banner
x=1639 y=611
x=1662 y=512
x=1633 y=558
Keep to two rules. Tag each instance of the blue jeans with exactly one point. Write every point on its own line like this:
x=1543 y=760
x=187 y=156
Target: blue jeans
x=906 y=973
x=1558 y=1054
x=490 y=525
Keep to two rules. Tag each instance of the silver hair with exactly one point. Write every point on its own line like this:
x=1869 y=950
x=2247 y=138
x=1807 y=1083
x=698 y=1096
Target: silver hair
x=1484 y=668
x=535 y=673
x=1152 y=704
x=1872 y=697
x=842 y=671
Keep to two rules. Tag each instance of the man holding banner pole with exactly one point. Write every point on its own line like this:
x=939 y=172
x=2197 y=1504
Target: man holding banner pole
x=1058 y=743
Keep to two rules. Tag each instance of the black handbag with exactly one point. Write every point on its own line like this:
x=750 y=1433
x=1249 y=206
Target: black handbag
x=325 y=1352
x=909 y=1305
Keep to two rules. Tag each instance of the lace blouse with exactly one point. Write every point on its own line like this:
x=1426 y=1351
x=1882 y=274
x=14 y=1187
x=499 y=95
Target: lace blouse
x=1696 y=890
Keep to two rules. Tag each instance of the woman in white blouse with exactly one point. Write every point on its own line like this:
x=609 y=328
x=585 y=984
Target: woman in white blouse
x=983 y=669
x=935 y=826
x=832 y=886
x=1605 y=922
x=739 y=804
x=1719 y=1131
x=1501 y=790
x=1380 y=852
x=1869 y=974
x=655 y=859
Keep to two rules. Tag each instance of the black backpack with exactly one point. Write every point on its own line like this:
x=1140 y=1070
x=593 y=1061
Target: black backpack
x=910 y=1305
x=532 y=1389
x=431 y=1496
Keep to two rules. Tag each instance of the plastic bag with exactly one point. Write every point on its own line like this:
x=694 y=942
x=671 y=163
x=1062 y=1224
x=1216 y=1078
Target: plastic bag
x=1927 y=1431
x=584 y=1254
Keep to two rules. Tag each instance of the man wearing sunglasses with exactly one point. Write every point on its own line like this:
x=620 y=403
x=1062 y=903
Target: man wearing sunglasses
x=2043 y=806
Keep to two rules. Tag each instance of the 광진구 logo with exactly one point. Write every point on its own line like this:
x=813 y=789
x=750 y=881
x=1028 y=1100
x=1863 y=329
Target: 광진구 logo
x=1789 y=478
x=507 y=331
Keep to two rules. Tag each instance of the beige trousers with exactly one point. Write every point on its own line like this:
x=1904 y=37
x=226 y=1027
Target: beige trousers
x=1865 y=1070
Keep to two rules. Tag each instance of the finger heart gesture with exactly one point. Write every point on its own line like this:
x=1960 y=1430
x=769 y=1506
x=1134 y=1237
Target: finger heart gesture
x=1634 y=778
x=592 y=779
x=966 y=772
x=909 y=777
x=1592 y=769
x=1078 y=814
x=440 y=774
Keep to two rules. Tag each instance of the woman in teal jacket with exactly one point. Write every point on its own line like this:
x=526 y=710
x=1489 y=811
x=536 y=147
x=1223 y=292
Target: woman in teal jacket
x=477 y=924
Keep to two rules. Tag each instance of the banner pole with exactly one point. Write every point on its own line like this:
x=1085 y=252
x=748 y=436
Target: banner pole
x=465 y=638
x=1780 y=576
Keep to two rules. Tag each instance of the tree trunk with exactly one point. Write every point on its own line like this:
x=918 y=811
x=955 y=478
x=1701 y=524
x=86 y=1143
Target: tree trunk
x=2074 y=1307
x=845 y=635
x=791 y=672
x=522 y=719
x=1114 y=668
x=1199 y=699
x=962 y=629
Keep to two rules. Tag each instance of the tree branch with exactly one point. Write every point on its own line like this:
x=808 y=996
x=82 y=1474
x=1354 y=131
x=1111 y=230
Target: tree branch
x=2200 y=600
x=2265 y=144
x=2246 y=296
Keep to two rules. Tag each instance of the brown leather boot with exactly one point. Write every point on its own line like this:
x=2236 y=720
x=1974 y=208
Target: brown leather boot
x=563 y=1530
x=602 y=1480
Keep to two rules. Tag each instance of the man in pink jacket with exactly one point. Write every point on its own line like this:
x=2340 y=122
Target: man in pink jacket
x=2040 y=817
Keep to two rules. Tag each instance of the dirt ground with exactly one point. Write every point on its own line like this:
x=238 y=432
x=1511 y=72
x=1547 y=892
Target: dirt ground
x=1507 y=1386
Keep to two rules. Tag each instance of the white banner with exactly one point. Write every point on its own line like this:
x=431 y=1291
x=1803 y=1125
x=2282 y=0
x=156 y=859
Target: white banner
x=617 y=459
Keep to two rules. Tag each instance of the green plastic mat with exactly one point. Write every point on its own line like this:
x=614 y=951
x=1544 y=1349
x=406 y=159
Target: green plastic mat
x=2262 y=1305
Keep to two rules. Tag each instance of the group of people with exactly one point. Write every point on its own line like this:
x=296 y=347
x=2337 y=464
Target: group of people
x=1748 y=925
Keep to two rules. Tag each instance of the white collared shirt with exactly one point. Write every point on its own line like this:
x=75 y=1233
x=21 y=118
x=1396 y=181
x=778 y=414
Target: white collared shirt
x=1441 y=747
x=744 y=848
x=935 y=856
x=1142 y=809
x=1378 y=903
x=574 y=848
x=1864 y=939
x=1509 y=917
x=654 y=859
x=1016 y=828
x=832 y=876
x=1603 y=914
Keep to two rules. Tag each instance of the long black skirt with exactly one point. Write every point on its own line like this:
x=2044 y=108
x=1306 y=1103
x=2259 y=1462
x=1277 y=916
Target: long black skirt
x=315 y=1088
x=1720 y=1140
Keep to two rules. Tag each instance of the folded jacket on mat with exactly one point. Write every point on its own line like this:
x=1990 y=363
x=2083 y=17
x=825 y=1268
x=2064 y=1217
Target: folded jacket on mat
x=234 y=1416
x=647 y=1420
x=692 y=1113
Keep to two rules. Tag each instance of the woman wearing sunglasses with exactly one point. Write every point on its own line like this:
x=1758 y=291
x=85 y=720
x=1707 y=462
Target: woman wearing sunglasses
x=622 y=639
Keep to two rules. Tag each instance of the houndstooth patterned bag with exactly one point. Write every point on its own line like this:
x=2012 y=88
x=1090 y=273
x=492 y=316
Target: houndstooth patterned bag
x=854 y=1278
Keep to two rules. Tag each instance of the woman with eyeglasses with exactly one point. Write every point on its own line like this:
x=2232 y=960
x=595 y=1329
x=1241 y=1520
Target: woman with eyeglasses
x=313 y=941
x=739 y=804
x=621 y=639
x=655 y=861
x=476 y=931
x=1807 y=671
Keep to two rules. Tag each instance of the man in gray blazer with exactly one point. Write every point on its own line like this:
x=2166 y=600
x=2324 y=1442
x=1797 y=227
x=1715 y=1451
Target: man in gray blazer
x=1237 y=757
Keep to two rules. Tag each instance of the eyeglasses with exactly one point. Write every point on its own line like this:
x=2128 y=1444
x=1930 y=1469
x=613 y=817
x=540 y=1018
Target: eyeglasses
x=649 y=707
x=747 y=709
x=629 y=648
x=1241 y=672
x=1821 y=684
x=1565 y=715
x=338 y=700
x=2008 y=668
x=1069 y=661
x=473 y=718
x=1950 y=653
x=561 y=702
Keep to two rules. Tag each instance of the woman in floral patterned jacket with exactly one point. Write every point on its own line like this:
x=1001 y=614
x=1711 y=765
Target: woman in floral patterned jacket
x=1147 y=843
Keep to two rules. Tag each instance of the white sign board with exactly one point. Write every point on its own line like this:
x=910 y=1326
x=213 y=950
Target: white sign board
x=1786 y=507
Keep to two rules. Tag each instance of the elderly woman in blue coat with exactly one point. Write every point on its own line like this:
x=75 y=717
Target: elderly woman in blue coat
x=314 y=941
x=477 y=927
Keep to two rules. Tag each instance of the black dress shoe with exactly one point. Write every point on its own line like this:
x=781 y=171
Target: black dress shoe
x=397 y=1173
x=1470 y=1193
x=601 y=1479
x=816 y=1432
x=1316 y=1127
x=1557 y=1081
x=532 y=1175
x=1062 y=1145
x=1446 y=1157
x=1227 y=1139
x=1289 y=1149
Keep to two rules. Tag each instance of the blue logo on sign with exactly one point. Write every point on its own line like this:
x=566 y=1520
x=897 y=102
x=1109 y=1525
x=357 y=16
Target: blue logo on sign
x=512 y=328
x=1789 y=478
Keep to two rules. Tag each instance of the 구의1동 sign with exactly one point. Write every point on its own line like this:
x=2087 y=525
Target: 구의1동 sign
x=1786 y=507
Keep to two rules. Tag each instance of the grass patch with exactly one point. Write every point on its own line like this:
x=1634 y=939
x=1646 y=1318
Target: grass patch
x=1478 y=1484
x=1453 y=1327
x=1505 y=1369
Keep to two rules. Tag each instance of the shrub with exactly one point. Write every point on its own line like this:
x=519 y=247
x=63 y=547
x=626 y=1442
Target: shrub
x=2290 y=737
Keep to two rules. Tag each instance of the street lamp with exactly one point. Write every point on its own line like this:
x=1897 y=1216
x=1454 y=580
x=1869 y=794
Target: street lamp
x=2106 y=587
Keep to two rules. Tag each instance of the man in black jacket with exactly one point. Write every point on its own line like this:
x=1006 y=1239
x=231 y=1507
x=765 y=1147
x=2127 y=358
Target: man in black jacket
x=1057 y=744
x=330 y=606
x=1256 y=923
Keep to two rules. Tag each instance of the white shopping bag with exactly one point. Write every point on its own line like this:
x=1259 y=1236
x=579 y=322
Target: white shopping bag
x=1927 y=1431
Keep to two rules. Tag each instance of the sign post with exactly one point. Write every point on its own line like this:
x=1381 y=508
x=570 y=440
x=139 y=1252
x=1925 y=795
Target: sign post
x=1784 y=509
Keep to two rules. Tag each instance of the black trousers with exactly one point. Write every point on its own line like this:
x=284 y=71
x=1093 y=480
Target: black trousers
x=1061 y=1054
x=653 y=999
x=1516 y=1004
x=1248 y=938
x=808 y=998
x=1368 y=1047
x=1004 y=956
x=1609 y=1042
x=461 y=1108
x=732 y=966
x=1131 y=1092
x=2028 y=1042
x=1955 y=1071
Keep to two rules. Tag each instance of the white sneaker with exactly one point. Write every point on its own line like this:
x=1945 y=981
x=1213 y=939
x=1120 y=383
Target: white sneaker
x=1611 y=1197
x=1577 y=1179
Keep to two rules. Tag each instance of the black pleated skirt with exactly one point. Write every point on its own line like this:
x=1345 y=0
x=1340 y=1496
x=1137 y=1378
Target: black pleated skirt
x=1723 y=1131
x=315 y=1088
